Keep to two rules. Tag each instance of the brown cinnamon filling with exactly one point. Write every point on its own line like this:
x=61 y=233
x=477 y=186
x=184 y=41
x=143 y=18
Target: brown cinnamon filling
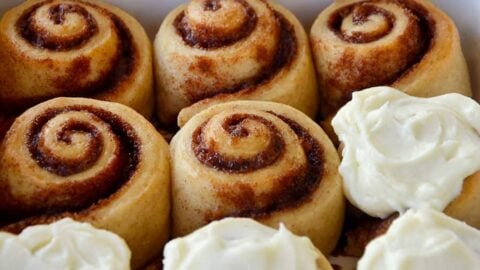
x=121 y=69
x=87 y=193
x=212 y=5
x=287 y=48
x=361 y=12
x=359 y=230
x=428 y=28
x=372 y=71
x=234 y=126
x=420 y=14
x=66 y=167
x=41 y=38
x=207 y=37
x=293 y=188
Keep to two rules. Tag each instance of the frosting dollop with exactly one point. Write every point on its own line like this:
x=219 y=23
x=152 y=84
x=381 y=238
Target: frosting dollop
x=65 y=244
x=240 y=243
x=403 y=152
x=424 y=239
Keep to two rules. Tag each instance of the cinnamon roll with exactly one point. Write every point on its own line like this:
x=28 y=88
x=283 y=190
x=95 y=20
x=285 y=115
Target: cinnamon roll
x=424 y=239
x=402 y=152
x=242 y=243
x=93 y=161
x=212 y=51
x=408 y=44
x=77 y=48
x=257 y=159
x=64 y=244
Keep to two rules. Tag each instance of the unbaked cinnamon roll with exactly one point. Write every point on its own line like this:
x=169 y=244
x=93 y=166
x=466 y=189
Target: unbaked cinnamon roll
x=76 y=48
x=257 y=159
x=212 y=51
x=93 y=161
x=408 y=44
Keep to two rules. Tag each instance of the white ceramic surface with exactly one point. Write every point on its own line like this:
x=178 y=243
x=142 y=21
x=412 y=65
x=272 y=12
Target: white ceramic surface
x=465 y=13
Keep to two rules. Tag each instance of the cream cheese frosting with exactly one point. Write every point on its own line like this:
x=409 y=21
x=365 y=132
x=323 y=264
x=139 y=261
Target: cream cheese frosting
x=403 y=152
x=65 y=245
x=424 y=239
x=238 y=244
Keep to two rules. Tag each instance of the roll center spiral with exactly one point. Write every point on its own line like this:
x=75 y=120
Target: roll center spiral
x=57 y=27
x=361 y=23
x=213 y=24
x=72 y=49
x=65 y=144
x=290 y=188
x=82 y=154
x=267 y=143
x=221 y=18
x=58 y=12
x=368 y=43
x=212 y=5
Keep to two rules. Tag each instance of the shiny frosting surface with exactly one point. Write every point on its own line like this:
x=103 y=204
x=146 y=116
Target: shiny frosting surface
x=65 y=244
x=404 y=152
x=240 y=243
x=424 y=239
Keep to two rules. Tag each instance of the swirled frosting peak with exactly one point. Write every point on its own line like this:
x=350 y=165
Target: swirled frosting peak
x=424 y=239
x=65 y=244
x=240 y=243
x=404 y=152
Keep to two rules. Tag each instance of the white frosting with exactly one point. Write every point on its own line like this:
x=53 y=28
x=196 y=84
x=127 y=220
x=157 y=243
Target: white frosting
x=238 y=244
x=404 y=152
x=424 y=239
x=63 y=245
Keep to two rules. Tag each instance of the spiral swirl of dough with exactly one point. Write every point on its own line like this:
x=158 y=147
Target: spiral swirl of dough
x=73 y=48
x=212 y=51
x=256 y=159
x=409 y=44
x=93 y=161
